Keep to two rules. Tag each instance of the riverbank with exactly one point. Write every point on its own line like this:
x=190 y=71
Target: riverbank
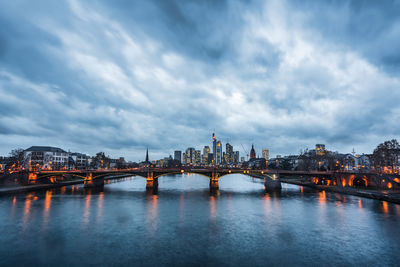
x=385 y=195
x=38 y=187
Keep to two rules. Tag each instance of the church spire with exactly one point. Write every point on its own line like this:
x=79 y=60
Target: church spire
x=252 y=152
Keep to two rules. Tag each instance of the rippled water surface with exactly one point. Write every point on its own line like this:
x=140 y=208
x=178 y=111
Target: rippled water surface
x=186 y=225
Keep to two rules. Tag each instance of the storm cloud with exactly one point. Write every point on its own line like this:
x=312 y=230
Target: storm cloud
x=120 y=76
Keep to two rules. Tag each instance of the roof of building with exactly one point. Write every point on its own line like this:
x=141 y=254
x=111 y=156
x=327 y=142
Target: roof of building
x=78 y=154
x=45 y=149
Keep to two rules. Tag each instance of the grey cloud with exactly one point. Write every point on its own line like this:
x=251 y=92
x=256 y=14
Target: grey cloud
x=123 y=75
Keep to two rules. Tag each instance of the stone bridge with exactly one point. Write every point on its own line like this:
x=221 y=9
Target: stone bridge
x=93 y=178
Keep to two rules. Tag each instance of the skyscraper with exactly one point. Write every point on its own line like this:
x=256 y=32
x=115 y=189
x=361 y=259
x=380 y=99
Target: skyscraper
x=236 y=157
x=214 y=148
x=190 y=155
x=265 y=153
x=178 y=155
x=206 y=151
x=183 y=158
x=229 y=153
x=219 y=152
x=197 y=157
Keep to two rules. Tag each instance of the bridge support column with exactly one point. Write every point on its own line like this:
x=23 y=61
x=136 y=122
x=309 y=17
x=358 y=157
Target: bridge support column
x=151 y=182
x=91 y=182
x=214 y=182
x=273 y=183
x=32 y=178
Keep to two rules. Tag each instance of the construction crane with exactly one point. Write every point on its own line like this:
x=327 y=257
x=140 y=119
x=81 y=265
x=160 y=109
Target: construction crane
x=247 y=153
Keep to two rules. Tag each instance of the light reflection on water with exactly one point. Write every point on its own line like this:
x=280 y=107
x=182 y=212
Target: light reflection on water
x=186 y=224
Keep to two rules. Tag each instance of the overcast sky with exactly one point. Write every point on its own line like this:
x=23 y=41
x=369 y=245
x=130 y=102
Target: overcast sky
x=118 y=76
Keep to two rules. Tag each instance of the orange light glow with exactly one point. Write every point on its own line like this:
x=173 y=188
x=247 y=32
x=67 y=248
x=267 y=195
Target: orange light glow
x=63 y=190
x=385 y=207
x=322 y=197
x=52 y=179
x=32 y=178
x=87 y=209
x=397 y=180
x=47 y=201
x=213 y=209
x=389 y=185
x=343 y=183
x=27 y=204
x=359 y=203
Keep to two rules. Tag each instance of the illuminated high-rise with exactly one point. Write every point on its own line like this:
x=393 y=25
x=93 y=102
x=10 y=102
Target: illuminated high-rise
x=229 y=153
x=214 y=148
x=178 y=155
x=206 y=151
x=190 y=155
x=219 y=152
x=197 y=157
x=265 y=153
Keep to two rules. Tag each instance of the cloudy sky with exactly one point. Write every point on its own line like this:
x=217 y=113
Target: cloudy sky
x=117 y=76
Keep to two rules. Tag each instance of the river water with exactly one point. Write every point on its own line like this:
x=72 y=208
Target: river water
x=186 y=225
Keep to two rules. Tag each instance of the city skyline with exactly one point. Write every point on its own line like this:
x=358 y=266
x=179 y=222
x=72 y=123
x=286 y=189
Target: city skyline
x=274 y=73
x=243 y=149
x=199 y=133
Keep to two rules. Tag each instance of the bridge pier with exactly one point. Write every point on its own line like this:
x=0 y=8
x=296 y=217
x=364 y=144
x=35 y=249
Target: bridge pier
x=91 y=182
x=214 y=185
x=32 y=178
x=272 y=184
x=151 y=181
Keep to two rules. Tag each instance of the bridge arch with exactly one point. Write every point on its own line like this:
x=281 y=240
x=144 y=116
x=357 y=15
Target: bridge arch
x=360 y=181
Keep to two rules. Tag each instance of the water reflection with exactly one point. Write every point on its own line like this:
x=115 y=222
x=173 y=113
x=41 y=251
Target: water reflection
x=47 y=205
x=86 y=213
x=322 y=197
x=100 y=206
x=63 y=190
x=242 y=224
x=27 y=207
x=13 y=206
x=213 y=208
x=385 y=207
x=152 y=214
x=181 y=206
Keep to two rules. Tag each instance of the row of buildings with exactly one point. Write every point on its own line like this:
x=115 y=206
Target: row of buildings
x=322 y=159
x=54 y=158
x=46 y=157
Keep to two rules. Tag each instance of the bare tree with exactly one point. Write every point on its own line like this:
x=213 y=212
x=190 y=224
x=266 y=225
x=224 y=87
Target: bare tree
x=16 y=159
x=386 y=154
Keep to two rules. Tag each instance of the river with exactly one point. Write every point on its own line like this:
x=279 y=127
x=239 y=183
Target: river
x=186 y=225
